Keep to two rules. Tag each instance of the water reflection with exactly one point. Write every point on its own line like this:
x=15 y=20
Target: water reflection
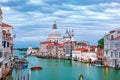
x=55 y=69
x=106 y=73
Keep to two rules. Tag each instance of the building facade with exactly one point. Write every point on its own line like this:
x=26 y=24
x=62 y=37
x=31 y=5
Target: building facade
x=55 y=44
x=7 y=44
x=1 y=53
x=112 y=48
x=6 y=47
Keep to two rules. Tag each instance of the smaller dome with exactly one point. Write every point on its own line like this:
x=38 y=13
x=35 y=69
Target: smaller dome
x=66 y=36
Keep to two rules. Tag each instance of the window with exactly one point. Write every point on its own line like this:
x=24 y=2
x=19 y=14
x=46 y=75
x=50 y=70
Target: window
x=5 y=64
x=8 y=44
x=4 y=44
x=7 y=30
x=116 y=55
x=111 y=54
x=119 y=32
x=111 y=37
x=119 y=54
x=116 y=45
x=0 y=64
x=0 y=54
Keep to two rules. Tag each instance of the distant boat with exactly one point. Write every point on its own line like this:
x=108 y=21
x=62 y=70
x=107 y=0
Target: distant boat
x=117 y=67
x=25 y=56
x=36 y=68
x=99 y=65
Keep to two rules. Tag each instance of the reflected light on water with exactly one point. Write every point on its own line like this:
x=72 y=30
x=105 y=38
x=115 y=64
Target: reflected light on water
x=103 y=70
x=36 y=72
x=106 y=72
x=88 y=69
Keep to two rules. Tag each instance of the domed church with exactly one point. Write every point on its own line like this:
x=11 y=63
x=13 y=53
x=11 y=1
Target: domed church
x=54 y=36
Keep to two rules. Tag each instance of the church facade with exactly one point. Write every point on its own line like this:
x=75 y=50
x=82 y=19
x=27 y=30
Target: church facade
x=56 y=44
x=55 y=36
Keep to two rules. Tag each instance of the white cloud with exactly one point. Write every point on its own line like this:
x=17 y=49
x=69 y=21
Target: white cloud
x=4 y=1
x=86 y=20
x=35 y=2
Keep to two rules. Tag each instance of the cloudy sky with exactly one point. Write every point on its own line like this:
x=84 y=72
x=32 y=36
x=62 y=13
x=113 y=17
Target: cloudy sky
x=32 y=19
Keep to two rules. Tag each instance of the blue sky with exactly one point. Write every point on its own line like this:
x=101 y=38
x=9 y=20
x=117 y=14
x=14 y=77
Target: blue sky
x=32 y=19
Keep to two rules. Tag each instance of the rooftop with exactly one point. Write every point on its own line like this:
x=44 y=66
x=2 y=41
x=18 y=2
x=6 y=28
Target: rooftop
x=6 y=25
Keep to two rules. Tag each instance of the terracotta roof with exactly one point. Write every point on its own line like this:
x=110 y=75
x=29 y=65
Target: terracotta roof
x=93 y=46
x=82 y=49
x=112 y=31
x=117 y=38
x=60 y=45
x=45 y=42
x=49 y=43
x=6 y=25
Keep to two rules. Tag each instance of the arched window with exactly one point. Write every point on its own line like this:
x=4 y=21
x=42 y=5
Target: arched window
x=111 y=54
x=119 y=54
x=116 y=54
x=112 y=37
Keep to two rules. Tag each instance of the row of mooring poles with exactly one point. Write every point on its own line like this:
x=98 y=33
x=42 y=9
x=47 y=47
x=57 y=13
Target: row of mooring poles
x=26 y=78
x=21 y=77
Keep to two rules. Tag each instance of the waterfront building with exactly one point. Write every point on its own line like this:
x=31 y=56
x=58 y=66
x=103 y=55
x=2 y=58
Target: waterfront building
x=65 y=47
x=7 y=43
x=76 y=54
x=45 y=47
x=57 y=45
x=112 y=48
x=31 y=51
x=1 y=53
x=6 y=46
x=83 y=44
x=51 y=48
x=68 y=49
x=100 y=55
x=83 y=54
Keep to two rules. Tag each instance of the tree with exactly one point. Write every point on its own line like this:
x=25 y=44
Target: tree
x=101 y=43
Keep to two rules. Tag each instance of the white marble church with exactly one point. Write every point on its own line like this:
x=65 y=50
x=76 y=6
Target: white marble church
x=55 y=36
x=55 y=43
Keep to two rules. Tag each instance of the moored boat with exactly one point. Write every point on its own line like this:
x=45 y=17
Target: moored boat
x=99 y=65
x=36 y=68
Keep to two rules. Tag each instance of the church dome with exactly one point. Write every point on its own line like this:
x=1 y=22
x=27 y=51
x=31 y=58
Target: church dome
x=66 y=35
x=54 y=35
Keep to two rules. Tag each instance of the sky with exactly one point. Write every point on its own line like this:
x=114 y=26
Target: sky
x=32 y=19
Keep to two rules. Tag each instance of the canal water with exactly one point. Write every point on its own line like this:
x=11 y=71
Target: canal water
x=56 y=69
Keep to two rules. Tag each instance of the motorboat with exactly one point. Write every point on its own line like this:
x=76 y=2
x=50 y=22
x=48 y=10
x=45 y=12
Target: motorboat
x=99 y=65
x=36 y=68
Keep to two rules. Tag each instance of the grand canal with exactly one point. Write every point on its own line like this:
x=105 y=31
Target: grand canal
x=56 y=69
